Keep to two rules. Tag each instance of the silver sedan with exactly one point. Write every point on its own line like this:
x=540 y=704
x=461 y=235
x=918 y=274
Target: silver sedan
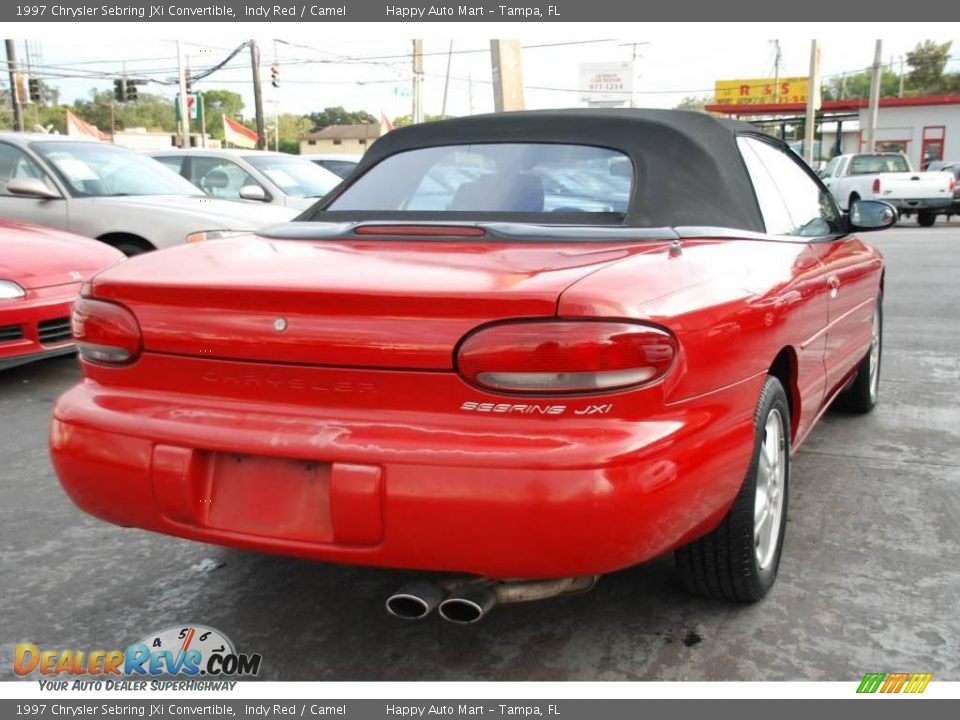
x=256 y=175
x=113 y=194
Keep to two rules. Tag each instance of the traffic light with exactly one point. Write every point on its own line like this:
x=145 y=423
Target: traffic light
x=131 y=91
x=120 y=89
x=275 y=75
x=187 y=80
x=36 y=91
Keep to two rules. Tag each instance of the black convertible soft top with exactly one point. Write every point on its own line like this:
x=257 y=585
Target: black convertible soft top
x=687 y=167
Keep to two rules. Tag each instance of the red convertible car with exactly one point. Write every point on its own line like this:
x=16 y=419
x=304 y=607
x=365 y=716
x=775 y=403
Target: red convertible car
x=41 y=271
x=442 y=366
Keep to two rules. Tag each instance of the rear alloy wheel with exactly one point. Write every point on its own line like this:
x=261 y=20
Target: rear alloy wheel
x=862 y=395
x=926 y=218
x=739 y=560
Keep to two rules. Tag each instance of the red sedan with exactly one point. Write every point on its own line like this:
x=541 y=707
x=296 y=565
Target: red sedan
x=527 y=348
x=41 y=271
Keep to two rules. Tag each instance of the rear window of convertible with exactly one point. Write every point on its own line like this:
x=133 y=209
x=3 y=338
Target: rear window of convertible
x=495 y=178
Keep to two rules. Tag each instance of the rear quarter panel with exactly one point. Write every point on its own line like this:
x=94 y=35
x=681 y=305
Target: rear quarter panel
x=733 y=305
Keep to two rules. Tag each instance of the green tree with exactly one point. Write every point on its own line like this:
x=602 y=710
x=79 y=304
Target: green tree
x=857 y=85
x=339 y=116
x=149 y=111
x=216 y=104
x=927 y=62
x=408 y=119
x=692 y=102
x=926 y=76
x=292 y=128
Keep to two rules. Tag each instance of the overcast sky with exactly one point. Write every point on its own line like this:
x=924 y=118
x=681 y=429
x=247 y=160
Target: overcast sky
x=372 y=73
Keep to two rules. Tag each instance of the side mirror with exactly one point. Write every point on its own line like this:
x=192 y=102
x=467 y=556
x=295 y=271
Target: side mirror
x=31 y=187
x=253 y=192
x=872 y=215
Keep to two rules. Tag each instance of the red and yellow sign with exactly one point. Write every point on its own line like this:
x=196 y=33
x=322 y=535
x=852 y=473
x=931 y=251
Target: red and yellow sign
x=761 y=91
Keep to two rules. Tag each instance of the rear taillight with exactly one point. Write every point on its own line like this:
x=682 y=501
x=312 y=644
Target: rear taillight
x=105 y=332
x=876 y=186
x=953 y=184
x=565 y=356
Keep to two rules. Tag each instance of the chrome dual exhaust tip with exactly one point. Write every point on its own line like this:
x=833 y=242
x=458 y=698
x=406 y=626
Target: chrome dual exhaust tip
x=415 y=600
x=464 y=602
x=470 y=606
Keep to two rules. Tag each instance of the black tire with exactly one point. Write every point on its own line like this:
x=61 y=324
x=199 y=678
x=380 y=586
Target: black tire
x=126 y=243
x=131 y=247
x=724 y=564
x=926 y=218
x=863 y=393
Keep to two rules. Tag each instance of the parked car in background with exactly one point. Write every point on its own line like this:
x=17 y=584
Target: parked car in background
x=341 y=165
x=262 y=176
x=113 y=194
x=41 y=271
x=577 y=185
x=952 y=167
x=888 y=177
x=527 y=395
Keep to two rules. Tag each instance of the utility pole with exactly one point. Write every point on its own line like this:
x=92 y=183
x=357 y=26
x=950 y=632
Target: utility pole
x=633 y=66
x=874 y=97
x=446 y=82
x=184 y=115
x=257 y=94
x=813 y=101
x=507 y=75
x=470 y=91
x=203 y=120
x=417 y=115
x=901 y=77
x=276 y=100
x=776 y=71
x=14 y=94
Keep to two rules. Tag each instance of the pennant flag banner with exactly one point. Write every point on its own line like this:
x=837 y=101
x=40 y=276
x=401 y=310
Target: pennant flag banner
x=79 y=126
x=385 y=124
x=234 y=132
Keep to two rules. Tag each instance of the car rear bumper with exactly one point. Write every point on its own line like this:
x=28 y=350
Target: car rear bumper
x=420 y=496
x=920 y=204
x=36 y=326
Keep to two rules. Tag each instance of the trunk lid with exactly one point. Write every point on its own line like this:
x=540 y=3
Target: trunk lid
x=356 y=303
x=914 y=186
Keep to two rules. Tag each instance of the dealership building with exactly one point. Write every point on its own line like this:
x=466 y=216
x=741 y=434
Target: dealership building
x=924 y=128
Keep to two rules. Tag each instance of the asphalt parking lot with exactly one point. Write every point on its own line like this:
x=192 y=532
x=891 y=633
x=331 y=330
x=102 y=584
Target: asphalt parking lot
x=869 y=580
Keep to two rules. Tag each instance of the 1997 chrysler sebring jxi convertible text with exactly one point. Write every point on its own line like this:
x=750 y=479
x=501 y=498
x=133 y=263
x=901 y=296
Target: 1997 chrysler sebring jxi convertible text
x=534 y=346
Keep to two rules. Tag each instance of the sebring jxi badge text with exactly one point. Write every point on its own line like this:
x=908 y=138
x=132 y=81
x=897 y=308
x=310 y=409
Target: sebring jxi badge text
x=534 y=408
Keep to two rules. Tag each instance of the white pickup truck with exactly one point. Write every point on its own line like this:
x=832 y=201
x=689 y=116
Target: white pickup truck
x=888 y=177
